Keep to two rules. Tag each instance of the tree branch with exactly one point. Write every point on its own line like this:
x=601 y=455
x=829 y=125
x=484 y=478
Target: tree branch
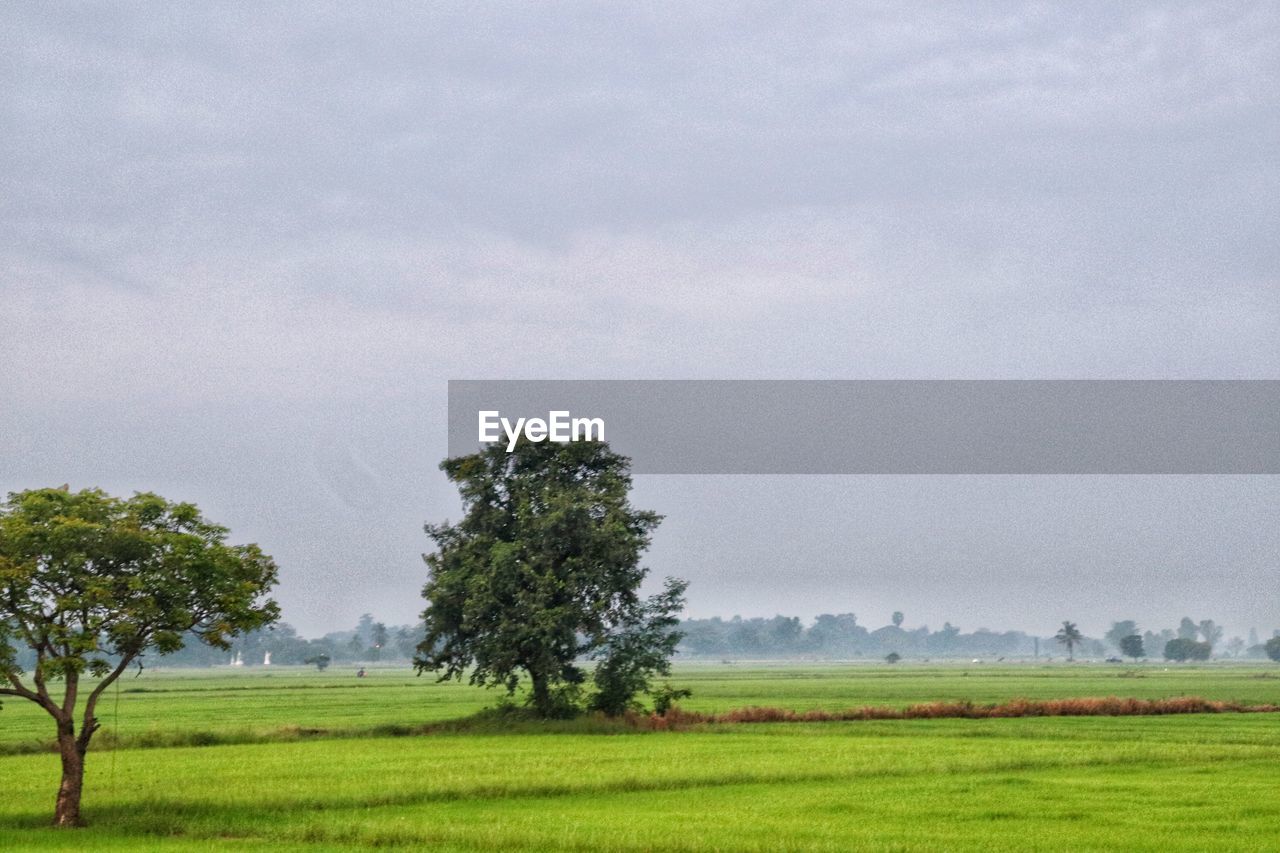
x=90 y=724
x=38 y=677
x=20 y=689
x=69 y=693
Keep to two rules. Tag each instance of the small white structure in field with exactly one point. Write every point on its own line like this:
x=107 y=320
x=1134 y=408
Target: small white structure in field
x=237 y=660
x=266 y=659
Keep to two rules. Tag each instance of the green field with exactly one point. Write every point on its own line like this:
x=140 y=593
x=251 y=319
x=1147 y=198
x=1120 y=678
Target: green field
x=310 y=760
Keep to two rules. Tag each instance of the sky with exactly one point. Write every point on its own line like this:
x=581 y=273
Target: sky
x=242 y=250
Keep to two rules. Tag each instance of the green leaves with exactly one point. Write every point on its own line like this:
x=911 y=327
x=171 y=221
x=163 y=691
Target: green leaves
x=638 y=648
x=542 y=569
x=85 y=577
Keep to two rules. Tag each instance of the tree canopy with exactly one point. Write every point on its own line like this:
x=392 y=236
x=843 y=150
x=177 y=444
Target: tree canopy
x=1069 y=635
x=542 y=570
x=89 y=583
x=1132 y=646
x=1184 y=649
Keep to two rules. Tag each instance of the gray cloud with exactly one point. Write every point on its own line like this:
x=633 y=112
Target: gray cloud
x=241 y=249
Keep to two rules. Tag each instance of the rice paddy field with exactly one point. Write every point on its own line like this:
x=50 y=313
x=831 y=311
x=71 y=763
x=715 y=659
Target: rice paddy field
x=295 y=759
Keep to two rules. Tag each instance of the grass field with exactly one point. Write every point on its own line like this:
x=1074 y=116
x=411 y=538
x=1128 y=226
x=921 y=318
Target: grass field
x=307 y=762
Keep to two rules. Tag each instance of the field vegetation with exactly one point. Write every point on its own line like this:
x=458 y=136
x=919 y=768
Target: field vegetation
x=296 y=759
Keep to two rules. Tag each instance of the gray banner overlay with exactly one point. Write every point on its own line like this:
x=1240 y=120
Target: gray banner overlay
x=902 y=426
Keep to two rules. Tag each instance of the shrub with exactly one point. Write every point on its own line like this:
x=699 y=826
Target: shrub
x=665 y=697
x=320 y=661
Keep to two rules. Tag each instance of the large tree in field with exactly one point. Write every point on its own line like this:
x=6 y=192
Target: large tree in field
x=89 y=583
x=543 y=569
x=1069 y=635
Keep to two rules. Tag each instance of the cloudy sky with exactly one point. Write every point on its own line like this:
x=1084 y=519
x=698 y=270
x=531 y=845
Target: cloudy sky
x=242 y=251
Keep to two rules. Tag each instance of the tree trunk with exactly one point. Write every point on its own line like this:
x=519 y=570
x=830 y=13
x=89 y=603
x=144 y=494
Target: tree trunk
x=67 y=812
x=541 y=694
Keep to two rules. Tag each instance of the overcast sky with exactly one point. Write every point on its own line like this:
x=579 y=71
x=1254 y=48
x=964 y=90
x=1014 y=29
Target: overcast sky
x=242 y=250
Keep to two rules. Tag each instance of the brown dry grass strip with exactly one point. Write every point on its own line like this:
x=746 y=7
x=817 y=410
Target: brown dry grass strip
x=1108 y=706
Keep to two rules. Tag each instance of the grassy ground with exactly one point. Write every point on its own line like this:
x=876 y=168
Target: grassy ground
x=1167 y=783
x=197 y=706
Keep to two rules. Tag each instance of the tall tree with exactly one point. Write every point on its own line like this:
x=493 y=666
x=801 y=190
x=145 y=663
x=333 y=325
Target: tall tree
x=1069 y=635
x=1153 y=641
x=1120 y=630
x=1210 y=631
x=89 y=583
x=379 y=636
x=543 y=568
x=364 y=629
x=406 y=642
x=1132 y=646
x=897 y=618
x=1183 y=649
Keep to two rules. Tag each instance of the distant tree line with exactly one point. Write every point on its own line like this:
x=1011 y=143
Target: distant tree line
x=835 y=636
x=840 y=636
x=370 y=641
x=1190 y=641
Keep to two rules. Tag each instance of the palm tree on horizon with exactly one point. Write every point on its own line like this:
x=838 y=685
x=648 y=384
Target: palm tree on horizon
x=1069 y=635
